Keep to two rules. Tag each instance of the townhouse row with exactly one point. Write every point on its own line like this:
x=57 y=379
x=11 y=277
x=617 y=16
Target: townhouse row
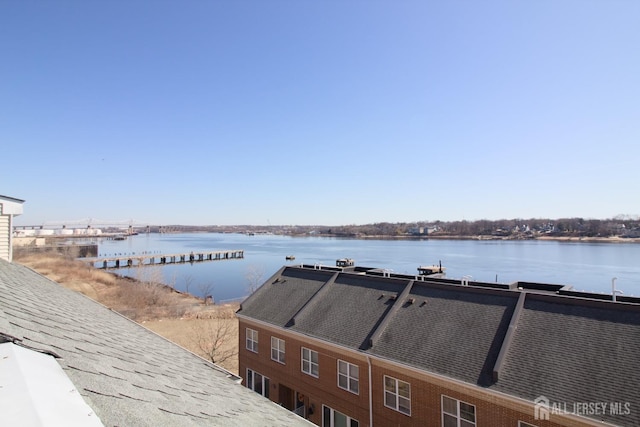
x=348 y=347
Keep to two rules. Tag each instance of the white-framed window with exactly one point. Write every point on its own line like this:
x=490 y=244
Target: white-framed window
x=252 y=340
x=333 y=418
x=397 y=395
x=348 y=376
x=258 y=383
x=456 y=413
x=277 y=349
x=310 y=362
x=523 y=424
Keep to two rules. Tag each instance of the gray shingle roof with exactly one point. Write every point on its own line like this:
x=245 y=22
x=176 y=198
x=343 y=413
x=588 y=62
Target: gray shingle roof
x=127 y=374
x=569 y=349
x=572 y=350
x=364 y=301
x=453 y=331
x=288 y=291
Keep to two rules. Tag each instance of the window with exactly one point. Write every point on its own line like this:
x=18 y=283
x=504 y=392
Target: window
x=523 y=424
x=332 y=418
x=397 y=395
x=277 y=349
x=258 y=383
x=310 y=362
x=457 y=414
x=348 y=376
x=252 y=340
x=300 y=410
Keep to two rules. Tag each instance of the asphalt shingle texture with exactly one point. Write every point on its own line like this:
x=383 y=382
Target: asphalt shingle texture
x=457 y=332
x=277 y=301
x=126 y=373
x=573 y=352
x=350 y=310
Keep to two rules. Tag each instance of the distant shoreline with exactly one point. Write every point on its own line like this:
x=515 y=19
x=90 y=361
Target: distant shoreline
x=594 y=239
x=572 y=239
x=355 y=236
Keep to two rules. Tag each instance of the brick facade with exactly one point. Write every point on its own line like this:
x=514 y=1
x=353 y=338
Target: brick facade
x=288 y=384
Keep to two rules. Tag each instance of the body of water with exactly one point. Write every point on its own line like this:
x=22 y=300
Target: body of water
x=585 y=266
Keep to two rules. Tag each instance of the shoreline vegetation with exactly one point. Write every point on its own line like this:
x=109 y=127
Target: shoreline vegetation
x=621 y=229
x=206 y=329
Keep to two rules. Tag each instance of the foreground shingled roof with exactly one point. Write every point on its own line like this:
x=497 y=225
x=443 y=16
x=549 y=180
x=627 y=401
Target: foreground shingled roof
x=127 y=374
x=526 y=340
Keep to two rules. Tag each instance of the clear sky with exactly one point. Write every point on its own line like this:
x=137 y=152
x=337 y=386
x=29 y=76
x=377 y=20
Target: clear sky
x=319 y=112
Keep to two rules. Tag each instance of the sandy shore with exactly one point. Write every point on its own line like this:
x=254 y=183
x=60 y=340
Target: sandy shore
x=614 y=239
x=592 y=239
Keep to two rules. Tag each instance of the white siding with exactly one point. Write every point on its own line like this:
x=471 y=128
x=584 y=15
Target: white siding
x=4 y=236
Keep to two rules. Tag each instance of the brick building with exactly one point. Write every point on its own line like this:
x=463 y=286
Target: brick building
x=352 y=346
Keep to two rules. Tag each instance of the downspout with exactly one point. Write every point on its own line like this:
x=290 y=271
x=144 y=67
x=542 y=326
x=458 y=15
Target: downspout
x=370 y=395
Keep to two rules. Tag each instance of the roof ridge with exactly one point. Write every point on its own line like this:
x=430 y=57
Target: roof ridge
x=399 y=302
x=511 y=332
x=325 y=286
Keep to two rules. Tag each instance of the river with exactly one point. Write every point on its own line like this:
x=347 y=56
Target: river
x=585 y=266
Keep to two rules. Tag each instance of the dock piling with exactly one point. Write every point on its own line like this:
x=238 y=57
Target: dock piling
x=117 y=261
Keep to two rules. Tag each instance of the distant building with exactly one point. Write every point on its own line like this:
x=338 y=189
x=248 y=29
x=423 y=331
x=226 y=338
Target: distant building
x=356 y=347
x=9 y=207
x=420 y=231
x=416 y=231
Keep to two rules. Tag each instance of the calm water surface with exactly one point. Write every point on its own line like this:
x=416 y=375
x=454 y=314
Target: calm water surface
x=586 y=266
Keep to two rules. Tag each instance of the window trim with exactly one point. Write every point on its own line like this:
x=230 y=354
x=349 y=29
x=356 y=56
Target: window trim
x=280 y=350
x=252 y=340
x=457 y=416
x=396 y=393
x=525 y=424
x=310 y=362
x=348 y=377
x=265 y=382
x=332 y=417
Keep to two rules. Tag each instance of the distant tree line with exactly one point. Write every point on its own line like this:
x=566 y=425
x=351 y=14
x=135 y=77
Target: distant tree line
x=620 y=226
x=504 y=228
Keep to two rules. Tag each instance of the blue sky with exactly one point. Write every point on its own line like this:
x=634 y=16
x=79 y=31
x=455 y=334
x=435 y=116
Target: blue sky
x=320 y=112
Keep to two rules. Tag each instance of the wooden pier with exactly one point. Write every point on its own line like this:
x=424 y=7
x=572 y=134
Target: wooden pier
x=123 y=261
